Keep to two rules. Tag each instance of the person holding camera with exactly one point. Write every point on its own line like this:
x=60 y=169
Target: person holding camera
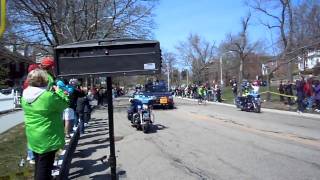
x=43 y=121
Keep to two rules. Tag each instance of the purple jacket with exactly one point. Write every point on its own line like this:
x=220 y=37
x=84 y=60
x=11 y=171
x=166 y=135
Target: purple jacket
x=317 y=92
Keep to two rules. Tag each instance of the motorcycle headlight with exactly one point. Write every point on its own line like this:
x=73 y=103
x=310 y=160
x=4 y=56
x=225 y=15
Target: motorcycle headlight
x=139 y=106
x=145 y=107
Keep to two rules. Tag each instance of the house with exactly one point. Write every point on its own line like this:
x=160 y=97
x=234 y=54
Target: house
x=309 y=59
x=16 y=66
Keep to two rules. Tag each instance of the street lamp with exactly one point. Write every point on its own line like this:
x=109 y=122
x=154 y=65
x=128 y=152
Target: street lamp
x=168 y=77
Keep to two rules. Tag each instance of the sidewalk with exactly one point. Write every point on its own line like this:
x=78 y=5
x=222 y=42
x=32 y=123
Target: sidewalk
x=10 y=119
x=89 y=159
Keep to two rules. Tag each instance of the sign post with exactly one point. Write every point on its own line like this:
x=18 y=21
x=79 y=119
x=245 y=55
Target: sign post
x=112 y=158
x=3 y=17
x=109 y=58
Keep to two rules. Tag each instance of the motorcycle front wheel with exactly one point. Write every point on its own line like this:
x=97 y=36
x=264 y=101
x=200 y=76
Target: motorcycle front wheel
x=145 y=128
x=257 y=108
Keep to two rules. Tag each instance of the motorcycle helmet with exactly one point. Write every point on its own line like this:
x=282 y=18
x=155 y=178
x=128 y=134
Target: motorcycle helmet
x=73 y=82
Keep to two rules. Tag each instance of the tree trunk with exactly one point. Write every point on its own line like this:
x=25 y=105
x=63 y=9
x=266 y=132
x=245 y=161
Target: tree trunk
x=241 y=71
x=268 y=87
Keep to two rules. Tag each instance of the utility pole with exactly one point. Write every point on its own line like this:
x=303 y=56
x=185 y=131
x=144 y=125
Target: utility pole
x=168 y=78
x=187 y=77
x=221 y=78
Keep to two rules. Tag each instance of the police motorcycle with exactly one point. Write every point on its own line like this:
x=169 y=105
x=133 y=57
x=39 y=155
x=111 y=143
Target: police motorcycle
x=140 y=112
x=250 y=101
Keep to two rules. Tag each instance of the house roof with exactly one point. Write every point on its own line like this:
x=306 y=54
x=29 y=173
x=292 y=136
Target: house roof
x=7 y=56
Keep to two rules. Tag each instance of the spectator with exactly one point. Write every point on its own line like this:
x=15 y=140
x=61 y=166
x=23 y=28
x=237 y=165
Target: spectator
x=281 y=91
x=30 y=156
x=308 y=91
x=218 y=93
x=300 y=95
x=73 y=83
x=68 y=113
x=30 y=68
x=317 y=95
x=289 y=91
x=82 y=102
x=234 y=87
x=43 y=121
x=100 y=96
x=87 y=110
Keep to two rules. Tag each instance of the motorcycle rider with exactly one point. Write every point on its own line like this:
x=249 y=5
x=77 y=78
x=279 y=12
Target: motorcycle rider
x=133 y=107
x=251 y=91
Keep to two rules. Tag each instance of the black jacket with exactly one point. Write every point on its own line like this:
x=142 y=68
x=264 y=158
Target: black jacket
x=83 y=105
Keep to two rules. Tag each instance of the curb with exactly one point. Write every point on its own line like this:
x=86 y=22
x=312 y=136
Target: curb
x=308 y=115
x=9 y=111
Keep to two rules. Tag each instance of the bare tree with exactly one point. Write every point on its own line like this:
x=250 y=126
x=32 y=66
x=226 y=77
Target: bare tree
x=306 y=26
x=240 y=45
x=169 y=63
x=280 y=15
x=54 y=22
x=196 y=53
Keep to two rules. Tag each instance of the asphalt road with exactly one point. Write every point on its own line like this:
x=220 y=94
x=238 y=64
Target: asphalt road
x=204 y=142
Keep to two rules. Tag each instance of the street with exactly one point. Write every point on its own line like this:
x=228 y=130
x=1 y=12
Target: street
x=202 y=142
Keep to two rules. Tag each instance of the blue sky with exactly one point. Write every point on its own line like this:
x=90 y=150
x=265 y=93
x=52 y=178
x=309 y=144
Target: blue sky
x=211 y=19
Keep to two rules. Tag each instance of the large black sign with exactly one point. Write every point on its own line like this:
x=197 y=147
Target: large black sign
x=110 y=57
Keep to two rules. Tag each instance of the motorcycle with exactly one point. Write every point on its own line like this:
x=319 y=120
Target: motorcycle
x=249 y=103
x=140 y=114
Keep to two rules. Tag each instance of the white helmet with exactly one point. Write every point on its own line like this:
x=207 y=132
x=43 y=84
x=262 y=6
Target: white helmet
x=73 y=82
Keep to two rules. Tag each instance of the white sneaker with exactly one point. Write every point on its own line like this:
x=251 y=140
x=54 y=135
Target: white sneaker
x=32 y=162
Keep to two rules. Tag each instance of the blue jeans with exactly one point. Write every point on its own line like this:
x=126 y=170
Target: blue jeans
x=30 y=154
x=309 y=102
x=81 y=125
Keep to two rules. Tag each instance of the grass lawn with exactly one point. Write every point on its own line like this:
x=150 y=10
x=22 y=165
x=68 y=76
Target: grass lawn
x=13 y=148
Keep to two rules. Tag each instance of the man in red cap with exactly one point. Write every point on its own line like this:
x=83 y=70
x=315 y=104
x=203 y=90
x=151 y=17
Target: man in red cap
x=47 y=64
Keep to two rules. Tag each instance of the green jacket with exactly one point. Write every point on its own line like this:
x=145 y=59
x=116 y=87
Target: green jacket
x=201 y=91
x=43 y=118
x=50 y=81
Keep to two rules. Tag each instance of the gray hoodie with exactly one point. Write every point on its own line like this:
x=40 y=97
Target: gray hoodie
x=31 y=94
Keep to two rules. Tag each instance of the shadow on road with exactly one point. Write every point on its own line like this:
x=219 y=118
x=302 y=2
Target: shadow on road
x=155 y=127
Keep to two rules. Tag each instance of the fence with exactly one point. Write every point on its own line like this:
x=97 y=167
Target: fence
x=9 y=102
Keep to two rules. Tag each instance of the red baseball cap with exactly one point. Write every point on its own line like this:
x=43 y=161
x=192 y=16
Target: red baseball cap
x=47 y=63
